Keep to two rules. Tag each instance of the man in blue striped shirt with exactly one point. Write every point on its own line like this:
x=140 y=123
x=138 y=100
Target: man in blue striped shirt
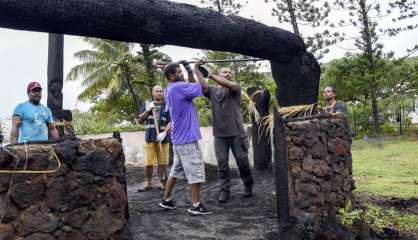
x=156 y=142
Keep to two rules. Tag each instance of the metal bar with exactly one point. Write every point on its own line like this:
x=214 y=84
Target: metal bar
x=219 y=61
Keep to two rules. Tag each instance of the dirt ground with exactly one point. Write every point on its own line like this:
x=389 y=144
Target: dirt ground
x=240 y=218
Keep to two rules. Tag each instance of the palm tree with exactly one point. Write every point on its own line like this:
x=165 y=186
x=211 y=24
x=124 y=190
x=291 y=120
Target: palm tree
x=146 y=56
x=109 y=69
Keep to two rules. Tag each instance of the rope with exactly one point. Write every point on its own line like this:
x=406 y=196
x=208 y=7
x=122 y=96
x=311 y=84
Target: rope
x=24 y=171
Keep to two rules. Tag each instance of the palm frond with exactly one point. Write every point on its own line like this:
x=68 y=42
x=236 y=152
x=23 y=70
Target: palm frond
x=251 y=107
x=298 y=111
x=82 y=70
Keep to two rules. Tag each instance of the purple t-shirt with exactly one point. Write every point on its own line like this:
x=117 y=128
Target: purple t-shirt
x=184 y=122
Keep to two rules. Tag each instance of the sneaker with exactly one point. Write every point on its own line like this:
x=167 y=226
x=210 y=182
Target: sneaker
x=248 y=192
x=199 y=210
x=168 y=204
x=223 y=197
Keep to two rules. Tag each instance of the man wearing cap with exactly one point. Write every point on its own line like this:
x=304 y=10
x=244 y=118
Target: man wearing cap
x=32 y=121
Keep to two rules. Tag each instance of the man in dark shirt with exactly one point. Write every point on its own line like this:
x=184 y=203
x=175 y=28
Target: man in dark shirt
x=228 y=130
x=333 y=106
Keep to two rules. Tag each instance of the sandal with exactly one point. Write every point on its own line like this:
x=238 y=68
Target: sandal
x=161 y=187
x=144 y=189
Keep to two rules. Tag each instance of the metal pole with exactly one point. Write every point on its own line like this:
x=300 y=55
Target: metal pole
x=355 y=121
x=400 y=120
x=219 y=61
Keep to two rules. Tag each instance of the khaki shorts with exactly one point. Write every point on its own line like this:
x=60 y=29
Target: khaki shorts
x=154 y=155
x=188 y=163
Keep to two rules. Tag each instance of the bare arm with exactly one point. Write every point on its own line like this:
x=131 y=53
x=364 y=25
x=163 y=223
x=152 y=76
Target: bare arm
x=200 y=78
x=53 y=132
x=168 y=127
x=143 y=116
x=190 y=77
x=233 y=86
x=14 y=135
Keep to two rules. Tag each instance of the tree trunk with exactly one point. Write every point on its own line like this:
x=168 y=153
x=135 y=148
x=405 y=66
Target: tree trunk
x=164 y=22
x=367 y=38
x=134 y=95
x=149 y=69
x=293 y=20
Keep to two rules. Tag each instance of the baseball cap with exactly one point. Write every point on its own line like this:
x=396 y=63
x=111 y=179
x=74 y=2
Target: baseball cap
x=33 y=85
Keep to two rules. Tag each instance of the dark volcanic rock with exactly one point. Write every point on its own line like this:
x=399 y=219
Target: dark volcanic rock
x=320 y=168
x=26 y=193
x=84 y=199
x=39 y=236
x=37 y=218
x=100 y=163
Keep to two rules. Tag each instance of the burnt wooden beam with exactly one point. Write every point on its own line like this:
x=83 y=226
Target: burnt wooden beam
x=259 y=129
x=281 y=171
x=169 y=23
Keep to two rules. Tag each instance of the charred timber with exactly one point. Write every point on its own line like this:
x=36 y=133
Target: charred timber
x=164 y=22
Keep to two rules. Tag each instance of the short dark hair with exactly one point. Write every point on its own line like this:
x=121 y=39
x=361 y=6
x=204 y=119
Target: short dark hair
x=170 y=69
x=332 y=88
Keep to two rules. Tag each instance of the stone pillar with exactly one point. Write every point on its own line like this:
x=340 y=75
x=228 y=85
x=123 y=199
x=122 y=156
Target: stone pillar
x=319 y=173
x=85 y=199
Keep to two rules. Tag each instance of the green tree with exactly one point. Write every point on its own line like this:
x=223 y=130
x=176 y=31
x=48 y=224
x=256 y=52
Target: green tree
x=365 y=16
x=313 y=13
x=396 y=82
x=224 y=6
x=107 y=70
x=146 y=56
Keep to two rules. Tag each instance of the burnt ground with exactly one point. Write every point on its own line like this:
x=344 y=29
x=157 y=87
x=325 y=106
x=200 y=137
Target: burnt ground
x=240 y=218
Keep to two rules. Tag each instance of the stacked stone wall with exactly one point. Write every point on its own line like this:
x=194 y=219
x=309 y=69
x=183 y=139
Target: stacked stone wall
x=320 y=170
x=84 y=199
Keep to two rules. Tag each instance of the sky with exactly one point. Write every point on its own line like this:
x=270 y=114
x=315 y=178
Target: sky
x=23 y=57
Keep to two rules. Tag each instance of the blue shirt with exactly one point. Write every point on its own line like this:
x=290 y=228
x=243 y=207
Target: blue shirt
x=184 y=122
x=163 y=118
x=35 y=119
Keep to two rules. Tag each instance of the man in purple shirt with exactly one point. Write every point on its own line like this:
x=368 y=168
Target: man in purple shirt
x=185 y=133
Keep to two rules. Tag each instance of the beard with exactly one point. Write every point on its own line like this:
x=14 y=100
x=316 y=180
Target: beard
x=35 y=100
x=179 y=79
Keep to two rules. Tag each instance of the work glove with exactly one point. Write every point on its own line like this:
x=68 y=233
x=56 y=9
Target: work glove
x=161 y=136
x=186 y=65
x=204 y=71
x=149 y=106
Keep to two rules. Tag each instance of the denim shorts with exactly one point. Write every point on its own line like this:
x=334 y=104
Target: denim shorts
x=188 y=163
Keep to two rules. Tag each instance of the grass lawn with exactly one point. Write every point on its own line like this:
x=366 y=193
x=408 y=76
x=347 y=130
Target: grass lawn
x=390 y=169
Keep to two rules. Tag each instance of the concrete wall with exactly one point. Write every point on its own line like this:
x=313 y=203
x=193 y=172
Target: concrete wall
x=133 y=145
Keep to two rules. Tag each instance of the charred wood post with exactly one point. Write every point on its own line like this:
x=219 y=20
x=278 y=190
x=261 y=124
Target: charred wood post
x=55 y=71
x=259 y=129
x=281 y=171
x=62 y=117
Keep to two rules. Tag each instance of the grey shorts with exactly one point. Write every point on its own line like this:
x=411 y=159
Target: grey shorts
x=188 y=163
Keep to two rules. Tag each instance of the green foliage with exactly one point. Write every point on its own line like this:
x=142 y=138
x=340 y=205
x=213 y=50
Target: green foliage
x=395 y=87
x=91 y=122
x=116 y=79
x=203 y=111
x=386 y=168
x=348 y=216
x=378 y=218
x=313 y=13
x=224 y=6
